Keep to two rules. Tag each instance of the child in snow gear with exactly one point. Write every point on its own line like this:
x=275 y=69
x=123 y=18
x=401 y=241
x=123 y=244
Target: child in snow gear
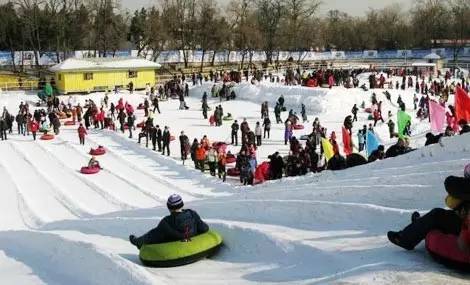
x=81 y=134
x=181 y=224
x=94 y=163
x=166 y=137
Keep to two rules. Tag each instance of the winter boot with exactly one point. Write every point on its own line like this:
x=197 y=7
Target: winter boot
x=415 y=216
x=394 y=237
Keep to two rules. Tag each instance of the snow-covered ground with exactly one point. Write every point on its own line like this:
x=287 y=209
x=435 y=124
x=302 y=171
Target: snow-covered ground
x=60 y=227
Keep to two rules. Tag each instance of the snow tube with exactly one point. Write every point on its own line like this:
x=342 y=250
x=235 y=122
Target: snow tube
x=445 y=250
x=230 y=158
x=355 y=159
x=233 y=172
x=262 y=172
x=227 y=118
x=298 y=127
x=69 y=123
x=47 y=137
x=141 y=107
x=44 y=130
x=140 y=125
x=179 y=253
x=368 y=110
x=97 y=151
x=89 y=170
x=172 y=138
x=370 y=118
x=219 y=146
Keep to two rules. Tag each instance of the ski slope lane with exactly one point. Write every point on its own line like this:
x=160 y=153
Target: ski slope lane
x=111 y=185
x=43 y=199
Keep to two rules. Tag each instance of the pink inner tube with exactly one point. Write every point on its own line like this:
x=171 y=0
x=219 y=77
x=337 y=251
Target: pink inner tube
x=69 y=123
x=98 y=151
x=445 y=246
x=89 y=170
x=298 y=127
x=47 y=137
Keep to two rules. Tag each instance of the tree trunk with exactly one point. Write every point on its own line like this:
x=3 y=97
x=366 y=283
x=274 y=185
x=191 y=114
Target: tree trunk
x=202 y=60
x=213 y=58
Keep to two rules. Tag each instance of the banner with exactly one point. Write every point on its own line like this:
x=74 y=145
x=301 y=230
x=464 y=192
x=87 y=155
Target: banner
x=372 y=143
x=438 y=117
x=327 y=149
x=462 y=105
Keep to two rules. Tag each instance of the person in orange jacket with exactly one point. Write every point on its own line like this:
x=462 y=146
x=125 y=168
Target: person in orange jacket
x=201 y=157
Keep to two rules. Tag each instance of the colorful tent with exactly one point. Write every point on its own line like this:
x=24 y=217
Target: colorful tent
x=372 y=142
x=403 y=119
x=437 y=112
x=327 y=149
x=462 y=105
x=346 y=142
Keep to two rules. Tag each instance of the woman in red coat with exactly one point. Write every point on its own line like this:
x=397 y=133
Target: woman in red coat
x=81 y=134
x=34 y=127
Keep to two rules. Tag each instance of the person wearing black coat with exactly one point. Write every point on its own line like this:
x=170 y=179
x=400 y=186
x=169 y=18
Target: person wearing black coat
x=337 y=162
x=235 y=127
x=166 y=136
x=130 y=123
x=432 y=139
x=464 y=127
x=155 y=105
x=397 y=149
x=184 y=146
x=180 y=225
x=377 y=154
x=3 y=129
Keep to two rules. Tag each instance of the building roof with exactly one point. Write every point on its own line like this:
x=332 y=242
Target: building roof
x=98 y=64
x=432 y=56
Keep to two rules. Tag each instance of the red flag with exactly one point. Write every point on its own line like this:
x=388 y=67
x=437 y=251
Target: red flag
x=346 y=142
x=462 y=105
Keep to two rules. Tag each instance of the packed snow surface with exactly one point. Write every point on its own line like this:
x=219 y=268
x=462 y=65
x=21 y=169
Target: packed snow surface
x=61 y=227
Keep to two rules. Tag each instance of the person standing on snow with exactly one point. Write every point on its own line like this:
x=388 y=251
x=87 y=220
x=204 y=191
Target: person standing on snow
x=212 y=160
x=184 y=146
x=81 y=134
x=130 y=123
x=222 y=161
x=166 y=138
x=235 y=127
x=267 y=127
x=34 y=127
x=303 y=112
x=258 y=134
x=354 y=112
x=277 y=113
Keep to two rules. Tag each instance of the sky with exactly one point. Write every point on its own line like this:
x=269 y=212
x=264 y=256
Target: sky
x=352 y=7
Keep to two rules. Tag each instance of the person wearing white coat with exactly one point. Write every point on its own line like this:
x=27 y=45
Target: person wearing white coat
x=258 y=133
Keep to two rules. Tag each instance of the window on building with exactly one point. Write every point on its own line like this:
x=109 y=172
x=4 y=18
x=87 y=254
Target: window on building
x=132 y=74
x=88 y=76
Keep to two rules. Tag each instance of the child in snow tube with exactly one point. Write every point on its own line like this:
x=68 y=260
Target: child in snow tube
x=233 y=172
x=180 y=238
x=92 y=168
x=230 y=158
x=446 y=231
x=98 y=151
x=298 y=127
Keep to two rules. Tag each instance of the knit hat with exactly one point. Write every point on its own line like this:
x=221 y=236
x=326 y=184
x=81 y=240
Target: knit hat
x=466 y=171
x=174 y=202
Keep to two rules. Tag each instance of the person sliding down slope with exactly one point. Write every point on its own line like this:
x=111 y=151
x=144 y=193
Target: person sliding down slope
x=181 y=224
x=445 y=221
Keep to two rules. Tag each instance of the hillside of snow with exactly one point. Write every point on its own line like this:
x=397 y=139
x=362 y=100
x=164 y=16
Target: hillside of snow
x=61 y=227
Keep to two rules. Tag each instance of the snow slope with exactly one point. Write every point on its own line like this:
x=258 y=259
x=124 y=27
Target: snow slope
x=60 y=227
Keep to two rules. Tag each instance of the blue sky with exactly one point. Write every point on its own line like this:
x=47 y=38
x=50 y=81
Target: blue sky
x=352 y=7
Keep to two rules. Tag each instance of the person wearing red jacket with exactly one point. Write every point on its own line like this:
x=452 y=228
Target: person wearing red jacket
x=81 y=134
x=34 y=127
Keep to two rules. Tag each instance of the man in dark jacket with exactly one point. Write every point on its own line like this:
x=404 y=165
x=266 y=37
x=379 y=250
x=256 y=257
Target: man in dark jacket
x=130 y=123
x=432 y=139
x=377 y=154
x=166 y=141
x=397 y=149
x=184 y=145
x=235 y=128
x=181 y=224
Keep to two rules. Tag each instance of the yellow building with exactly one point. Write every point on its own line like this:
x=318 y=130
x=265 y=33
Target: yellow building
x=87 y=75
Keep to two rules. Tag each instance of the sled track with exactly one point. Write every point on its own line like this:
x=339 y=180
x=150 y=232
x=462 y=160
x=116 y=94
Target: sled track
x=95 y=187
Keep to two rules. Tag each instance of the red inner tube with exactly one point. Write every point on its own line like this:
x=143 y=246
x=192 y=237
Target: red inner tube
x=98 y=151
x=233 y=172
x=231 y=159
x=445 y=249
x=47 y=137
x=69 y=123
x=298 y=127
x=89 y=170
